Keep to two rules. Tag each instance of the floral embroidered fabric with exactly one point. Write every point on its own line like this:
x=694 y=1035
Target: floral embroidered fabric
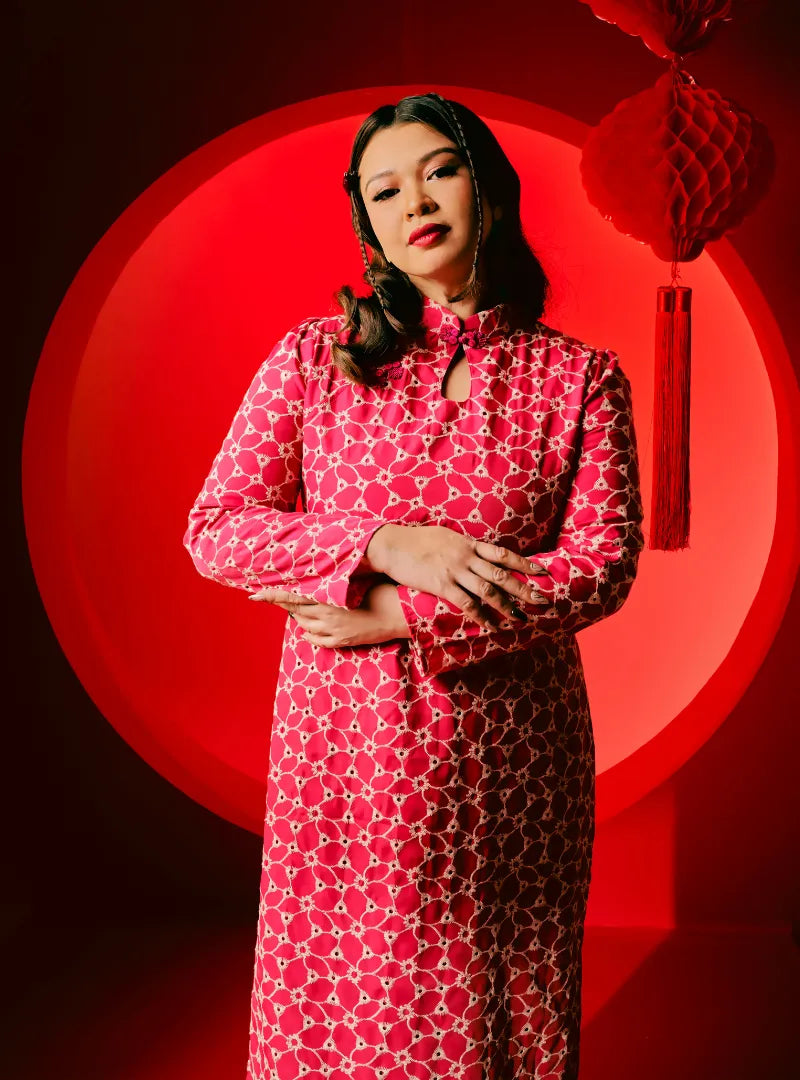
x=430 y=801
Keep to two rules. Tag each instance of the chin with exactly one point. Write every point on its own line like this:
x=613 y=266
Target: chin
x=448 y=276
x=440 y=263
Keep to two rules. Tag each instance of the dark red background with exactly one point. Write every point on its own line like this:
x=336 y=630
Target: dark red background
x=105 y=99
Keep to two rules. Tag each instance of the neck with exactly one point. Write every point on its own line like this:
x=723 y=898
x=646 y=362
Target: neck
x=439 y=290
x=462 y=308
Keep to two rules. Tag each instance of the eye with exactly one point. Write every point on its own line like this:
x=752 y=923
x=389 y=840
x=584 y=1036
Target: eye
x=446 y=170
x=441 y=171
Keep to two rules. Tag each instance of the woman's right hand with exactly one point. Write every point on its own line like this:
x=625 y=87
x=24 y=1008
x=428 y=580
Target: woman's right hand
x=467 y=572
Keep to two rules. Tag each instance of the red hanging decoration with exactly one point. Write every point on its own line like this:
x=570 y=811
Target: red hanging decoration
x=669 y=28
x=671 y=501
x=675 y=166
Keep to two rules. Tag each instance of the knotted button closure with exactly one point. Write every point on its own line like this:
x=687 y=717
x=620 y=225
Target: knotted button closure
x=471 y=338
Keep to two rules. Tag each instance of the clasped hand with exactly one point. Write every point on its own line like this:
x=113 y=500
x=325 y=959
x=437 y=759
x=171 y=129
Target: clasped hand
x=380 y=617
x=475 y=575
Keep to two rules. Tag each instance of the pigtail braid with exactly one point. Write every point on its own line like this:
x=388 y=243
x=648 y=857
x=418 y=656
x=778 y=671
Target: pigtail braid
x=472 y=288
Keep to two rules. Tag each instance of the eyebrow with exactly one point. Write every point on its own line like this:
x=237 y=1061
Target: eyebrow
x=421 y=161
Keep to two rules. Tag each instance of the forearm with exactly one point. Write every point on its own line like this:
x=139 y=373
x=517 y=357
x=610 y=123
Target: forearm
x=582 y=590
x=383 y=600
x=318 y=555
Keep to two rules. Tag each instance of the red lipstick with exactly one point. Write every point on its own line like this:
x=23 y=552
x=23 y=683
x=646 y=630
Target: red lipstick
x=428 y=234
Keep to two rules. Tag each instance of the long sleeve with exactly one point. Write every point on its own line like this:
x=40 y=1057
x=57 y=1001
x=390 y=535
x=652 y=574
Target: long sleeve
x=593 y=564
x=244 y=530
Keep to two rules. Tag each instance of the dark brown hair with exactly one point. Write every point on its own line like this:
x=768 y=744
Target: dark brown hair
x=393 y=309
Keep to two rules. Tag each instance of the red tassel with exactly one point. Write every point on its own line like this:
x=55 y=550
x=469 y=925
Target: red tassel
x=669 y=529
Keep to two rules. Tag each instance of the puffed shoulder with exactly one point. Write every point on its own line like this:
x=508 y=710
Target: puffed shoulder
x=570 y=345
x=304 y=346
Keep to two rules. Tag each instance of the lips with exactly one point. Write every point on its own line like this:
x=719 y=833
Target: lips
x=425 y=230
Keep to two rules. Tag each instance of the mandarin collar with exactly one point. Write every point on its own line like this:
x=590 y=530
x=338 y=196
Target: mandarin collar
x=443 y=323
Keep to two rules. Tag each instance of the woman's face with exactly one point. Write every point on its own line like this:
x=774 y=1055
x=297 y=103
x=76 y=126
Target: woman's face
x=413 y=177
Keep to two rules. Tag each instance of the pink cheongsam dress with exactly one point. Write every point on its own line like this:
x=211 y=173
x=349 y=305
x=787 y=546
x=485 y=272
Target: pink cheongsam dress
x=430 y=800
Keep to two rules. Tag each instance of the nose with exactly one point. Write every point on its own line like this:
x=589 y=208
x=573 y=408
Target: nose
x=418 y=203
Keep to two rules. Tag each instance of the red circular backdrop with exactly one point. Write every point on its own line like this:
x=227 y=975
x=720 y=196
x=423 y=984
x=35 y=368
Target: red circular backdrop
x=157 y=339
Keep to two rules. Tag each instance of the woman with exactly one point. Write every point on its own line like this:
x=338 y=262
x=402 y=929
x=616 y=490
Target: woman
x=470 y=499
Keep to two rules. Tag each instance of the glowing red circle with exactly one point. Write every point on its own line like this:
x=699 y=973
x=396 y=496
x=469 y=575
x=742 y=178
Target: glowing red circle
x=150 y=353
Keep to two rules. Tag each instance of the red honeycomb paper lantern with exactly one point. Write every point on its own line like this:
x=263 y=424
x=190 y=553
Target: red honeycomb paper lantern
x=667 y=27
x=674 y=167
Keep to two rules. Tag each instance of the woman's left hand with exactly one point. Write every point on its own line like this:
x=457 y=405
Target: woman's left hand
x=380 y=617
